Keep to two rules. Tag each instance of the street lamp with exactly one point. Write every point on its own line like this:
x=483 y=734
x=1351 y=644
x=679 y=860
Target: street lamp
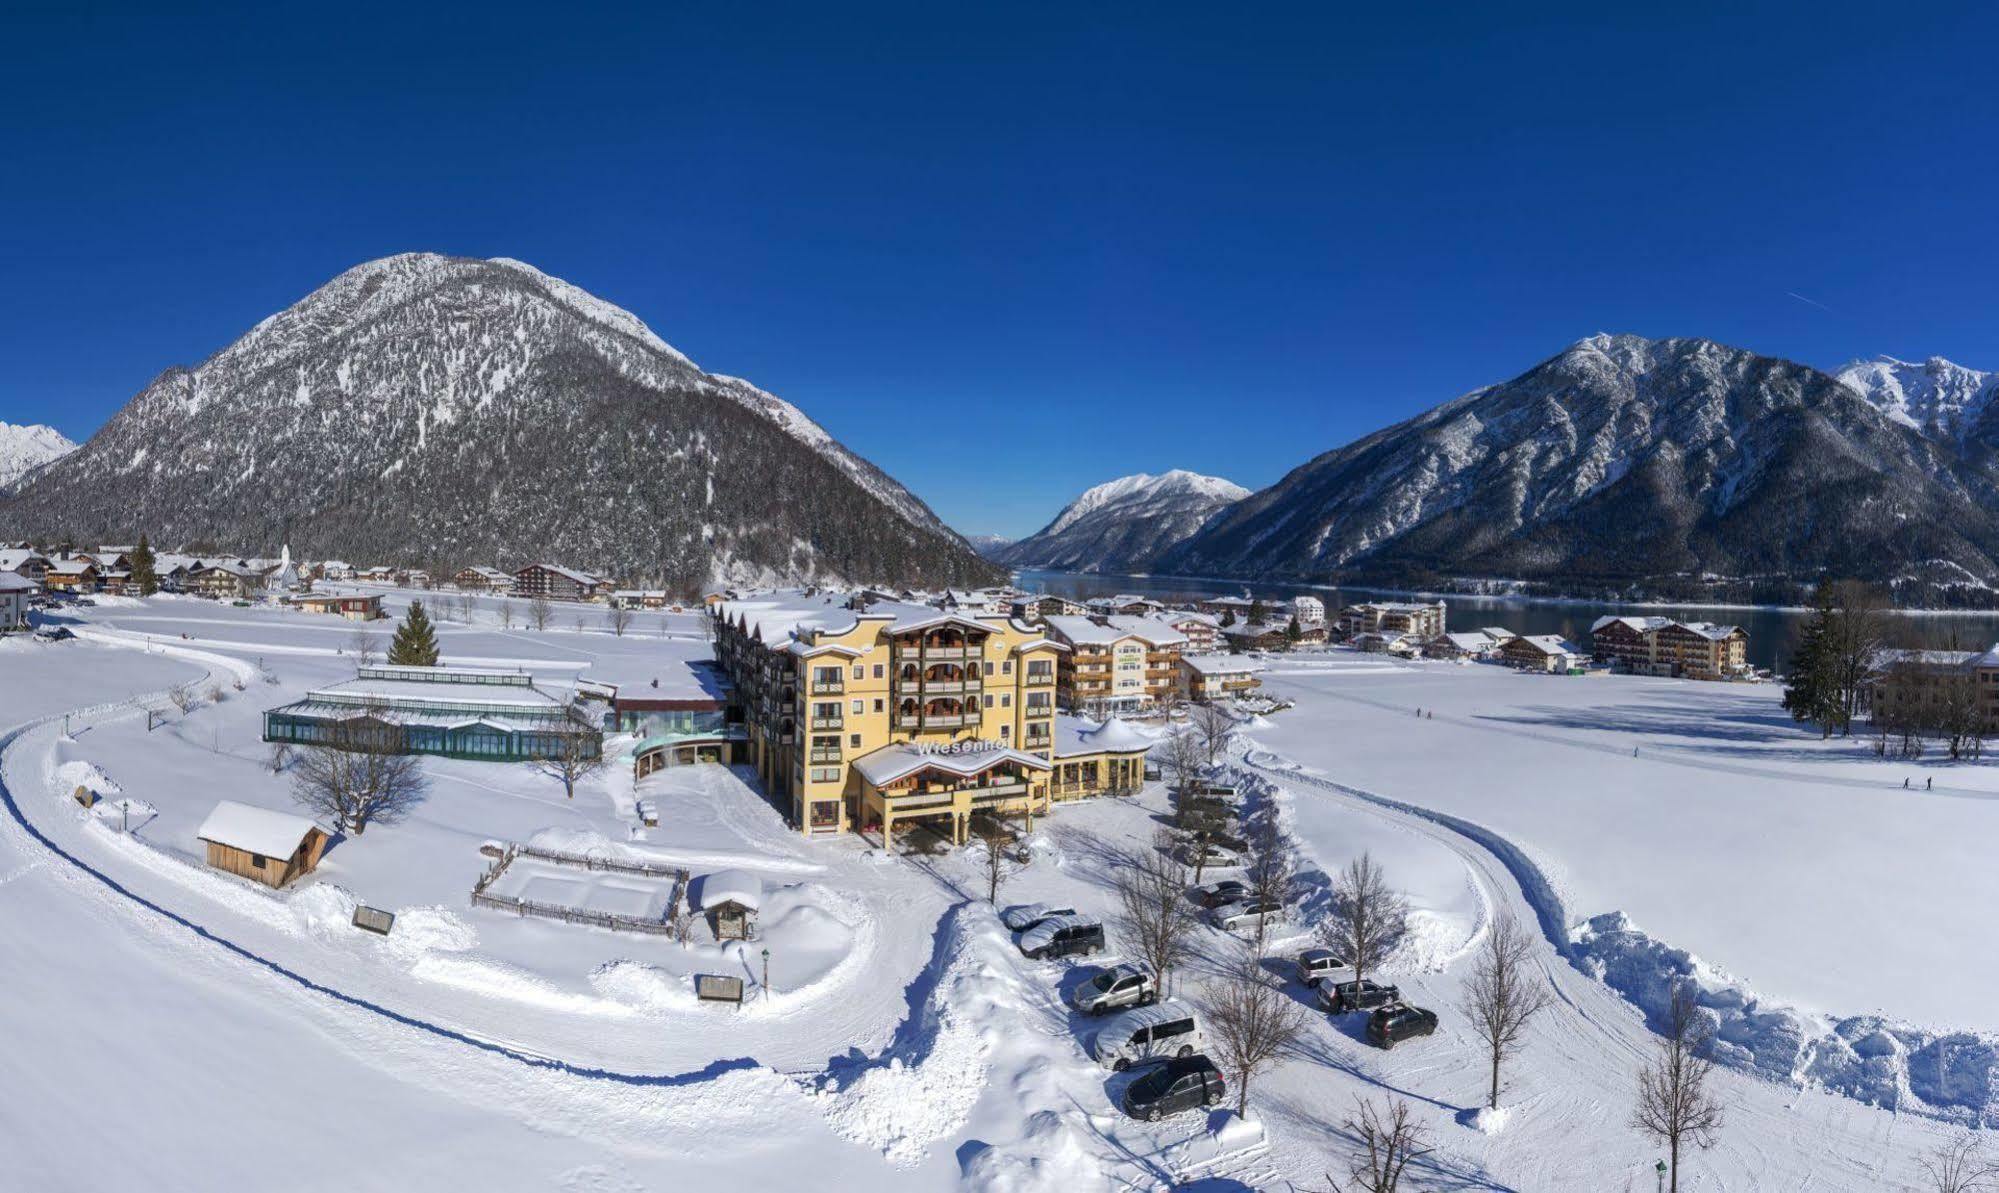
x=766 y=970
x=1661 y=1170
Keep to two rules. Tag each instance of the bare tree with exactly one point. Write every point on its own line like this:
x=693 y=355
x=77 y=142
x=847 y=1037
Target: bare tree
x=619 y=618
x=995 y=867
x=1251 y=1021
x=1959 y=1166
x=365 y=646
x=280 y=756
x=1267 y=871
x=506 y=613
x=1154 y=915
x=1385 y=1142
x=577 y=756
x=1502 y=995
x=183 y=697
x=540 y=613
x=1368 y=918
x=1183 y=761
x=1674 y=1104
x=1212 y=724
x=361 y=776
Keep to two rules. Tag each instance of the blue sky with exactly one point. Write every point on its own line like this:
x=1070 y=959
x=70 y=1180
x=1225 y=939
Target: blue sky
x=1236 y=237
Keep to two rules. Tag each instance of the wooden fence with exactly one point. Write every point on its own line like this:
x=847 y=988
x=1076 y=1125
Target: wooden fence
x=577 y=915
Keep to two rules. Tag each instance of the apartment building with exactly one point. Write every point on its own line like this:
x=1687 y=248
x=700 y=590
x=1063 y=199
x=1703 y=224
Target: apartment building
x=1309 y=610
x=1214 y=677
x=552 y=581
x=1204 y=632
x=1116 y=664
x=1417 y=619
x=1924 y=687
x=860 y=720
x=1663 y=646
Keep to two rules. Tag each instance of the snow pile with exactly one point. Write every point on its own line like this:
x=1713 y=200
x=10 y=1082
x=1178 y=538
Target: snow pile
x=1487 y=1121
x=78 y=773
x=924 y=1087
x=645 y=987
x=1049 y=1158
x=1951 y=1075
x=433 y=929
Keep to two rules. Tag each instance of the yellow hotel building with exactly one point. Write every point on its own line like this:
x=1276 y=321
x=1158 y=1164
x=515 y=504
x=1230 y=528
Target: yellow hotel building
x=863 y=720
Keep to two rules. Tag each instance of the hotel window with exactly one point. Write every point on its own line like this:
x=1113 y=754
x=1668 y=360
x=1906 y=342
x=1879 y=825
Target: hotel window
x=854 y=740
x=878 y=671
x=1006 y=699
x=989 y=667
x=1006 y=731
x=1006 y=668
x=878 y=704
x=859 y=707
x=860 y=672
x=825 y=774
x=989 y=699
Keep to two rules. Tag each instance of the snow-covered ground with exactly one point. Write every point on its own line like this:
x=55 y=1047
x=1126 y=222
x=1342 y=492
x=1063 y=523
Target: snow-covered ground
x=177 y=1028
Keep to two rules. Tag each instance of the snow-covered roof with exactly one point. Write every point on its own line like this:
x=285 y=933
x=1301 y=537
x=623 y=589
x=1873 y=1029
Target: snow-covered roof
x=1078 y=736
x=1121 y=1027
x=1471 y=643
x=14 y=558
x=890 y=763
x=258 y=830
x=1548 y=643
x=731 y=886
x=1220 y=664
x=10 y=582
x=1640 y=624
x=583 y=578
x=1103 y=631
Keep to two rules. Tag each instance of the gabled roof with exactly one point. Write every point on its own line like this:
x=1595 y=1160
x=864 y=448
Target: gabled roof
x=1546 y=643
x=890 y=763
x=1220 y=664
x=258 y=830
x=731 y=886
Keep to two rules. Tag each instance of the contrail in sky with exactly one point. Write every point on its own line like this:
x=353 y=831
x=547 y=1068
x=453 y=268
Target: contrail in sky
x=1810 y=302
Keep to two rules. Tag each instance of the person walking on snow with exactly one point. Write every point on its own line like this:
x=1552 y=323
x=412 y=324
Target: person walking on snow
x=1905 y=784
x=1929 y=783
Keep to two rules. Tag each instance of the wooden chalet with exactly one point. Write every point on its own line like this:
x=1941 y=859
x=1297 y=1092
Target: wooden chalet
x=273 y=848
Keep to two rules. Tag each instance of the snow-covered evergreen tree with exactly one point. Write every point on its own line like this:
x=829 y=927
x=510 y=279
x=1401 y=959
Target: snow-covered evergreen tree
x=415 y=643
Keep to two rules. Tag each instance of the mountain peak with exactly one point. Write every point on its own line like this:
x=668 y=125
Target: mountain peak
x=25 y=448
x=1938 y=397
x=1122 y=524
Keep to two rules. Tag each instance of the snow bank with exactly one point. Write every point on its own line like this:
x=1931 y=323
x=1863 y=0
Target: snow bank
x=80 y=773
x=1952 y=1075
x=1049 y=1158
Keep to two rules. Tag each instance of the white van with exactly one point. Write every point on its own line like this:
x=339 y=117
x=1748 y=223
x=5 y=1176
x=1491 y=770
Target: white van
x=1158 y=1032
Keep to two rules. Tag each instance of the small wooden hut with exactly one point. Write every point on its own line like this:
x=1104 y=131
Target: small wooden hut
x=264 y=846
x=730 y=899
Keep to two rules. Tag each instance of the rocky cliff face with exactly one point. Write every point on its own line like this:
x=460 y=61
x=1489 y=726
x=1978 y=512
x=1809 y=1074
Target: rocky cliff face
x=440 y=410
x=1621 y=459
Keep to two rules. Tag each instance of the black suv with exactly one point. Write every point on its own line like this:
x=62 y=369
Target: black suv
x=1183 y=1083
x=1399 y=1022
x=1063 y=936
x=1339 y=997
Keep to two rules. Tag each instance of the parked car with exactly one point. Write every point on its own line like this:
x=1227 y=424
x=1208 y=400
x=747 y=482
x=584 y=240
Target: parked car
x=1314 y=964
x=1158 y=1032
x=1020 y=919
x=1340 y=997
x=1187 y=1083
x=1225 y=791
x=1247 y=914
x=1207 y=854
x=1063 y=936
x=1114 y=989
x=1399 y=1021
x=1220 y=893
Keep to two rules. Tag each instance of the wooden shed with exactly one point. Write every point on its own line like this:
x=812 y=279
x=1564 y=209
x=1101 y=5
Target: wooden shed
x=264 y=846
x=730 y=899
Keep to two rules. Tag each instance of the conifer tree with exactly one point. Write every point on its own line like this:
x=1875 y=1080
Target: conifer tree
x=1293 y=631
x=415 y=643
x=1811 y=689
x=144 y=577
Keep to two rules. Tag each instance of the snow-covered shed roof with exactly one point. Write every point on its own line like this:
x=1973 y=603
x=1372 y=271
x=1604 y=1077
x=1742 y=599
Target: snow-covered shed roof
x=258 y=830
x=890 y=763
x=732 y=886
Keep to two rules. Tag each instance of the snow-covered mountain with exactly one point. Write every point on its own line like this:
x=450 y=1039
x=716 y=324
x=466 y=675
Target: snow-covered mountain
x=446 y=410
x=1124 y=525
x=1936 y=397
x=988 y=545
x=23 y=449
x=1622 y=459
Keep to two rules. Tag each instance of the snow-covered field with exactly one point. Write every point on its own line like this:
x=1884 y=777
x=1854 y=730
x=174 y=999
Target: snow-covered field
x=176 y=1028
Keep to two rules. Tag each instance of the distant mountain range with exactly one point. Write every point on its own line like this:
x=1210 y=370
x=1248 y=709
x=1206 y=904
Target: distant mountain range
x=24 y=449
x=1124 y=525
x=1628 y=461
x=437 y=410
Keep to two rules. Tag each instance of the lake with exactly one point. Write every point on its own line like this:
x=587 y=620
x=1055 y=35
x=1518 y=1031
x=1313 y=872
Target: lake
x=1773 y=633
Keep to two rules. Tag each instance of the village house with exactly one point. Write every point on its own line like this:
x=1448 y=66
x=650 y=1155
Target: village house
x=1203 y=631
x=1115 y=664
x=1125 y=605
x=1309 y=610
x=1385 y=643
x=861 y=720
x=1208 y=678
x=362 y=607
x=483 y=579
x=1919 y=687
x=1420 y=620
x=554 y=582
x=1034 y=608
x=224 y=580
x=1663 y=646
x=1271 y=635
x=261 y=845
x=336 y=569
x=639 y=598
x=1539 y=652
x=14 y=593
x=1474 y=645
x=25 y=562
x=71 y=573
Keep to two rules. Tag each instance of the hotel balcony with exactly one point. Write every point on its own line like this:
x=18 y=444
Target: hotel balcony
x=825 y=756
x=938 y=654
x=935 y=720
x=824 y=687
x=1041 y=680
x=827 y=722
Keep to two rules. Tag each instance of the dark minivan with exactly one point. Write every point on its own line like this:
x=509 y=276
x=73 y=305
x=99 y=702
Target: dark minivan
x=1184 y=1083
